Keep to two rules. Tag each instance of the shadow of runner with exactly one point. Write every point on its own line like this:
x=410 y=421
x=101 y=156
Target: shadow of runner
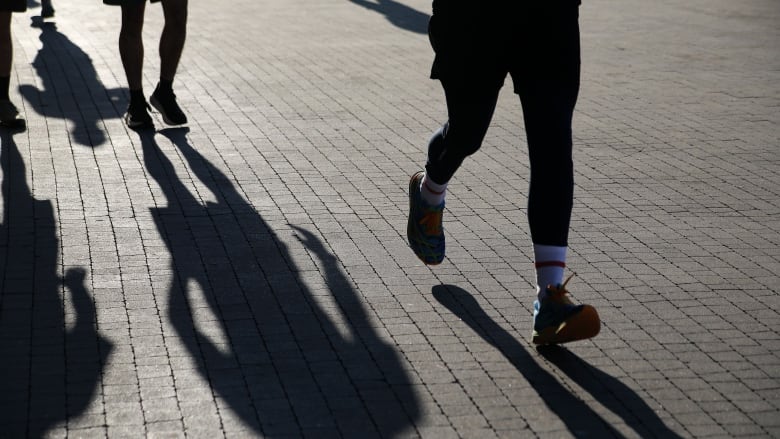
x=398 y=14
x=48 y=375
x=71 y=88
x=253 y=323
x=610 y=392
x=578 y=417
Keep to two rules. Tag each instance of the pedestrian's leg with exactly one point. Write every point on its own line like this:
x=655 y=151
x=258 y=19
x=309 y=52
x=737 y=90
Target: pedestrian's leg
x=8 y=112
x=131 y=50
x=6 y=53
x=173 y=36
x=547 y=108
x=131 y=44
x=470 y=109
x=548 y=90
x=172 y=41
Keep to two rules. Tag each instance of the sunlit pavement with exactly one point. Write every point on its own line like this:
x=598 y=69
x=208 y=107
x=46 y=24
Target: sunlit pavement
x=248 y=275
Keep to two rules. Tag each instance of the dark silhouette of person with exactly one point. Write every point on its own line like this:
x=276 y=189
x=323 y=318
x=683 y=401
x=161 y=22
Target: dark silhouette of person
x=71 y=88
x=131 y=50
x=282 y=364
x=476 y=47
x=48 y=374
x=9 y=114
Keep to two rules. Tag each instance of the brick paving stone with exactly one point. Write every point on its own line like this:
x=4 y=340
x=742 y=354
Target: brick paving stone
x=248 y=275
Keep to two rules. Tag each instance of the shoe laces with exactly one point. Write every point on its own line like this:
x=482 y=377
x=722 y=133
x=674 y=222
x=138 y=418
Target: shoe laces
x=558 y=293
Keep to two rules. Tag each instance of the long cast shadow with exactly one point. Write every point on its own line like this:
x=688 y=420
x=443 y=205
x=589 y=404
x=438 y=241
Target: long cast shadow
x=253 y=321
x=398 y=14
x=48 y=374
x=578 y=417
x=609 y=391
x=71 y=88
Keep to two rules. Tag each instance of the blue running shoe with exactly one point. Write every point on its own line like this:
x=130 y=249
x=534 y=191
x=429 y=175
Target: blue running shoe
x=424 y=229
x=558 y=320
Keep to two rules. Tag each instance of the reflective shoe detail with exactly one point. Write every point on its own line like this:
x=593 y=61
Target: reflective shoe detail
x=9 y=114
x=165 y=103
x=137 y=116
x=424 y=228
x=558 y=320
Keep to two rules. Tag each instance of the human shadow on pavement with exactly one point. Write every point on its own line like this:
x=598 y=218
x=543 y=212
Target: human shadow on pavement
x=609 y=391
x=579 y=418
x=254 y=322
x=49 y=374
x=71 y=88
x=398 y=14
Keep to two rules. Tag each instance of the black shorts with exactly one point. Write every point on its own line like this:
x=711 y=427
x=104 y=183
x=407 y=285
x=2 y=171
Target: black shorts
x=13 y=5
x=475 y=44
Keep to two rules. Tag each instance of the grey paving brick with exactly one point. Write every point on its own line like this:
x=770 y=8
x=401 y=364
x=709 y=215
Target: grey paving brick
x=248 y=275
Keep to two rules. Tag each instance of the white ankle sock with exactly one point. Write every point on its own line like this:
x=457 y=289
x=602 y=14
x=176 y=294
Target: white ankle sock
x=550 y=262
x=432 y=192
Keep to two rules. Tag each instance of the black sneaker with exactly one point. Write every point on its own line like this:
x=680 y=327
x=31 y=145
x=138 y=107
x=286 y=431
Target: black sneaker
x=137 y=116
x=165 y=103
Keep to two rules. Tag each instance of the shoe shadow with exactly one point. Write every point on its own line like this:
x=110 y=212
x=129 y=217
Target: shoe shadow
x=71 y=89
x=576 y=414
x=48 y=374
x=254 y=323
x=398 y=14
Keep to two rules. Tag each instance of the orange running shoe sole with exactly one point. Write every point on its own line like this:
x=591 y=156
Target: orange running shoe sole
x=583 y=325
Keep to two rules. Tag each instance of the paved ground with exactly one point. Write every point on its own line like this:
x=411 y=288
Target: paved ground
x=248 y=275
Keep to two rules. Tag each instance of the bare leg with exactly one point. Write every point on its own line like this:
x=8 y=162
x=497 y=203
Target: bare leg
x=6 y=46
x=8 y=112
x=173 y=37
x=131 y=45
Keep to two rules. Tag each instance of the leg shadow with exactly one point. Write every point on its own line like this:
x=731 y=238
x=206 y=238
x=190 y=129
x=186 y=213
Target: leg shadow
x=398 y=14
x=71 y=88
x=609 y=391
x=578 y=417
x=48 y=375
x=254 y=322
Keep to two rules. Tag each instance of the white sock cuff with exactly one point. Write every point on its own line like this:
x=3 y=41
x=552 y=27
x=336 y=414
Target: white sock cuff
x=544 y=254
x=432 y=186
x=432 y=192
